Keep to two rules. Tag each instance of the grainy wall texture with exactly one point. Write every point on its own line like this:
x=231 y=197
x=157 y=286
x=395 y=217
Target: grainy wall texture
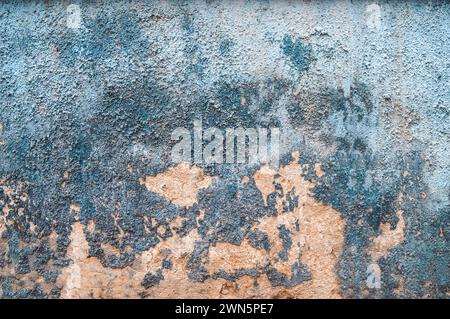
x=92 y=205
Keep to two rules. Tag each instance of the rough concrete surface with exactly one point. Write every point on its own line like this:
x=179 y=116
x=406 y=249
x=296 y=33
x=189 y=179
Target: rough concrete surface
x=91 y=205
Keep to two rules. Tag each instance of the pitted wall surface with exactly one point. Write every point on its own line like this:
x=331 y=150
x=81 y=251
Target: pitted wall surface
x=92 y=205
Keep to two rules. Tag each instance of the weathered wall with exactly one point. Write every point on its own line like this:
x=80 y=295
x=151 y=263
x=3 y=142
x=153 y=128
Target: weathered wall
x=92 y=206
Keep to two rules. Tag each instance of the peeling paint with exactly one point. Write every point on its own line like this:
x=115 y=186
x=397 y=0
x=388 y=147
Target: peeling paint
x=92 y=206
x=388 y=238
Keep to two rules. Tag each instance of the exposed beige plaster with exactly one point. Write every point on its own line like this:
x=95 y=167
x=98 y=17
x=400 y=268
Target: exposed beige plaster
x=318 y=169
x=264 y=181
x=179 y=184
x=229 y=257
x=388 y=238
x=86 y=277
x=318 y=242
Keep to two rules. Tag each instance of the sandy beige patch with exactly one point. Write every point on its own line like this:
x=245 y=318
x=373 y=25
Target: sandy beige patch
x=179 y=184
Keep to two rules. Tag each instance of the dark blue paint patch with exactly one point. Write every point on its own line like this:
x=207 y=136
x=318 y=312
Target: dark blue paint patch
x=100 y=38
x=198 y=271
x=285 y=236
x=167 y=264
x=225 y=46
x=152 y=279
x=251 y=272
x=300 y=273
x=300 y=55
x=259 y=239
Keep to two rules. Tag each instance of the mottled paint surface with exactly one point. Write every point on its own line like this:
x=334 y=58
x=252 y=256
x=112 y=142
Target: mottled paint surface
x=87 y=106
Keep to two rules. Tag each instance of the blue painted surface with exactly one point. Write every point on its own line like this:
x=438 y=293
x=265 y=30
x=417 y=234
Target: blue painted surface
x=368 y=99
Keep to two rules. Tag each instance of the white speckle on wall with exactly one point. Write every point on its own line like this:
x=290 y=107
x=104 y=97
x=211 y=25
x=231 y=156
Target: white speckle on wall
x=73 y=16
x=373 y=16
x=373 y=280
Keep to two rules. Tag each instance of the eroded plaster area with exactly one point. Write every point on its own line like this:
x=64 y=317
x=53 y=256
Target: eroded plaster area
x=92 y=205
x=180 y=184
x=294 y=253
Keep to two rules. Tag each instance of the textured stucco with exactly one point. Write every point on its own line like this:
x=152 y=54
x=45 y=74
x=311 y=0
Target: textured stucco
x=91 y=204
